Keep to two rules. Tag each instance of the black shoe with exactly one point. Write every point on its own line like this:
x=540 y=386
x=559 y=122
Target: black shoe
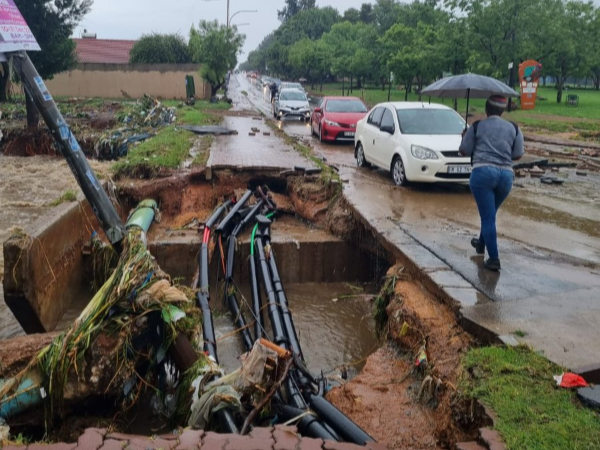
x=492 y=264
x=478 y=246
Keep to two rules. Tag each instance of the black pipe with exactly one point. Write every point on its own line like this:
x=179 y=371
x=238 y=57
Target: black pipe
x=240 y=321
x=241 y=202
x=309 y=425
x=259 y=318
x=290 y=329
x=86 y=178
x=210 y=223
x=346 y=428
x=279 y=337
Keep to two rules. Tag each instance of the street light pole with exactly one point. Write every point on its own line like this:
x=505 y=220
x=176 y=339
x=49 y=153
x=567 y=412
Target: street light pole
x=228 y=14
x=229 y=19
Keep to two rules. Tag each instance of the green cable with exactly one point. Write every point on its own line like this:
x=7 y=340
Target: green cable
x=254 y=234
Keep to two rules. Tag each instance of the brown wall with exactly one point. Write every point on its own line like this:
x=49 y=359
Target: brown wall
x=166 y=81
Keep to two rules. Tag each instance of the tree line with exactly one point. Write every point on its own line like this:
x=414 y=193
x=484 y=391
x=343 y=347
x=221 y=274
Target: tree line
x=422 y=41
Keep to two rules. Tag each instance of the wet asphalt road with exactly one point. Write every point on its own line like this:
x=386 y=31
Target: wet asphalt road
x=549 y=240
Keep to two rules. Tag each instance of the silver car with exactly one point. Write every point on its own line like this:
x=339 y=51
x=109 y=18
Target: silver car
x=291 y=103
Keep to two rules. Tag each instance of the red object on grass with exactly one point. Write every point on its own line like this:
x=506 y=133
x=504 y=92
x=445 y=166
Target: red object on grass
x=570 y=380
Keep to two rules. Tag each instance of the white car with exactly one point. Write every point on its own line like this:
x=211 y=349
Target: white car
x=291 y=103
x=416 y=142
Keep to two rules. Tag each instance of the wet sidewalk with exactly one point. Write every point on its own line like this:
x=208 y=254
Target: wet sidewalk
x=548 y=298
x=278 y=438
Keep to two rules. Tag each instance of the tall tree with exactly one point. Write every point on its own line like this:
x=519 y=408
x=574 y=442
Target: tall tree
x=52 y=22
x=216 y=47
x=352 y=15
x=160 y=49
x=366 y=13
x=293 y=7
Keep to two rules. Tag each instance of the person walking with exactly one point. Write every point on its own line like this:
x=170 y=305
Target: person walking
x=493 y=144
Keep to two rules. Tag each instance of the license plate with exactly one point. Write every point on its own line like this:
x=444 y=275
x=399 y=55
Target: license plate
x=459 y=169
x=349 y=133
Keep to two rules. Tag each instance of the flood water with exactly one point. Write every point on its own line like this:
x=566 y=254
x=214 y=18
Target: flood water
x=334 y=330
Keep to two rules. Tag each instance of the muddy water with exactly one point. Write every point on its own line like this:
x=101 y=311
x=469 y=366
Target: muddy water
x=334 y=330
x=27 y=187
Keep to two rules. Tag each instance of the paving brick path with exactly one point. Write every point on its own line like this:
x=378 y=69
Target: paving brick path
x=278 y=438
x=256 y=152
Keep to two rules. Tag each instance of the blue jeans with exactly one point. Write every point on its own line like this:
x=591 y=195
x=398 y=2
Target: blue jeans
x=490 y=187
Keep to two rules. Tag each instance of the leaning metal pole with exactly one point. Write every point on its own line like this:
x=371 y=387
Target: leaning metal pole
x=86 y=178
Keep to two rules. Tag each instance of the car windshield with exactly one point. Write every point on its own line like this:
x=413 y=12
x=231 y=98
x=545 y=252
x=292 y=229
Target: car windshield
x=293 y=96
x=346 y=106
x=430 y=121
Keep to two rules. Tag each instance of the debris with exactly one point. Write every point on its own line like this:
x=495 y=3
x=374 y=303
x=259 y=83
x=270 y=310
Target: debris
x=266 y=133
x=520 y=173
x=208 y=129
x=256 y=130
x=251 y=134
x=581 y=173
x=570 y=380
x=594 y=162
x=551 y=180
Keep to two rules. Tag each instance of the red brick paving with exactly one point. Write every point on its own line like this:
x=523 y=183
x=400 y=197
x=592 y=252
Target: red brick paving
x=278 y=438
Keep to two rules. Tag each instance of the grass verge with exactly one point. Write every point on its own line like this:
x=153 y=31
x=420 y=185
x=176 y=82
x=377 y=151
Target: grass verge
x=327 y=173
x=171 y=145
x=166 y=150
x=533 y=413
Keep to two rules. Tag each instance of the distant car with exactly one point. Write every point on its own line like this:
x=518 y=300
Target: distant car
x=266 y=80
x=291 y=103
x=290 y=85
x=335 y=118
x=416 y=142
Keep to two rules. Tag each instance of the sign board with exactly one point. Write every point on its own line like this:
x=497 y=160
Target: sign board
x=530 y=72
x=510 y=65
x=15 y=34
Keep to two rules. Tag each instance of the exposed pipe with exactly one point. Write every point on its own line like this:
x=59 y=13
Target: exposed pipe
x=345 y=427
x=226 y=221
x=143 y=215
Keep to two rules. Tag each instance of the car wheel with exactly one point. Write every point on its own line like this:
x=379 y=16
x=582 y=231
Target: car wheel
x=312 y=129
x=398 y=172
x=361 y=161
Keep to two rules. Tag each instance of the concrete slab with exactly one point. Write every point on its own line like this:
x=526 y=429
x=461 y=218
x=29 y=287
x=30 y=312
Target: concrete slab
x=590 y=396
x=261 y=152
x=448 y=279
x=566 y=328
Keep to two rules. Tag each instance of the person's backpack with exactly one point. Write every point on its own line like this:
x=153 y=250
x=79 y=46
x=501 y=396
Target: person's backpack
x=476 y=125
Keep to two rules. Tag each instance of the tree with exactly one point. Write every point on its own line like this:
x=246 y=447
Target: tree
x=216 y=47
x=595 y=56
x=160 y=49
x=386 y=14
x=367 y=15
x=352 y=15
x=52 y=23
x=310 y=59
x=569 y=39
x=293 y=7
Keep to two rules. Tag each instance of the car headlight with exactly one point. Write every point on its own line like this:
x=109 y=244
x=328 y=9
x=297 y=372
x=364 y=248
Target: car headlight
x=422 y=152
x=332 y=124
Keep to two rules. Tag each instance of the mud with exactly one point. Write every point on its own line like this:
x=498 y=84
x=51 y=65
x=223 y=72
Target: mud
x=400 y=405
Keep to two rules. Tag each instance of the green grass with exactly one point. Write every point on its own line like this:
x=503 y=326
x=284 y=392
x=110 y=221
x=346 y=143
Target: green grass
x=168 y=149
x=533 y=413
x=588 y=109
x=520 y=333
x=171 y=145
x=68 y=196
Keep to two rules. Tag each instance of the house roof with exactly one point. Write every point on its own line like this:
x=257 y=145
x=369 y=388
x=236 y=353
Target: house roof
x=103 y=51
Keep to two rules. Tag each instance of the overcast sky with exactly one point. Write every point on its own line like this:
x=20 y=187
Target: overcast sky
x=129 y=19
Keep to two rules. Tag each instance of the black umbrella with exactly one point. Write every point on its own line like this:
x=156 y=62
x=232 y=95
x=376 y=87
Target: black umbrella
x=468 y=86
